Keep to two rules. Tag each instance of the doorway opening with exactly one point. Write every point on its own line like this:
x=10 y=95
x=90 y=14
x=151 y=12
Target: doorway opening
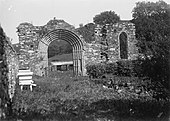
x=60 y=59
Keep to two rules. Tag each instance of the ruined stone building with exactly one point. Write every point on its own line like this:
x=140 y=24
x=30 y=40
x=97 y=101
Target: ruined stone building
x=8 y=72
x=118 y=43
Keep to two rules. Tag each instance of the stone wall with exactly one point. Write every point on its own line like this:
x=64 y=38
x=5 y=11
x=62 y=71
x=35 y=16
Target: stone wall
x=93 y=50
x=28 y=44
x=8 y=72
x=30 y=36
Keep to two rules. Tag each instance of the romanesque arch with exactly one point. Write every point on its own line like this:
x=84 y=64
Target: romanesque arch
x=73 y=39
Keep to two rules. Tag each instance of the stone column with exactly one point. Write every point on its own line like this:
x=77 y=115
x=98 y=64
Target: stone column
x=83 y=63
x=76 y=67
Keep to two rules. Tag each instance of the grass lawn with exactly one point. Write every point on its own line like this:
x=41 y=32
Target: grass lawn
x=63 y=97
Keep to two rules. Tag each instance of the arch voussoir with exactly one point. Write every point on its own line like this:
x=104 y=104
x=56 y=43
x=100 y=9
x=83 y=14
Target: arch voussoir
x=73 y=40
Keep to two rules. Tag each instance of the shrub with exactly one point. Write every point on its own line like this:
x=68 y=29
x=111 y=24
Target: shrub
x=137 y=68
x=157 y=69
x=119 y=68
x=124 y=68
x=156 y=72
x=96 y=70
x=111 y=68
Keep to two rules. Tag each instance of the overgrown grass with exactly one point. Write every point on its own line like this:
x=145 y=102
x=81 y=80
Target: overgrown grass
x=70 y=98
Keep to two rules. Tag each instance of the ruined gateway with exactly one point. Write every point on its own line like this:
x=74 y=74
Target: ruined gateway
x=35 y=40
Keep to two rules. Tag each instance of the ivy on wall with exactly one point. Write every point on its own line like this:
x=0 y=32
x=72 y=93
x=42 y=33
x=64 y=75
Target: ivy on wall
x=8 y=73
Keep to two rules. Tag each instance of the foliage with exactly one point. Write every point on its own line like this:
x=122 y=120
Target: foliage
x=58 y=48
x=132 y=107
x=87 y=32
x=132 y=69
x=111 y=68
x=69 y=99
x=124 y=68
x=107 y=17
x=96 y=70
x=5 y=100
x=104 y=48
x=152 y=21
x=119 y=68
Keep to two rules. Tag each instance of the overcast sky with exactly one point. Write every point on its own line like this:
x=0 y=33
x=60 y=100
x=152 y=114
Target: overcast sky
x=39 y=12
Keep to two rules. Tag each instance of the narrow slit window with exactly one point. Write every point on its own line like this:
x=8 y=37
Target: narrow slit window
x=123 y=46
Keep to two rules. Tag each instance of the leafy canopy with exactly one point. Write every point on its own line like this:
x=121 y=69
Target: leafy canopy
x=58 y=48
x=87 y=31
x=152 y=22
x=107 y=17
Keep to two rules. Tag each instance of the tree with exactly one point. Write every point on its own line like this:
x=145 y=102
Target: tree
x=152 y=22
x=58 y=48
x=87 y=32
x=107 y=17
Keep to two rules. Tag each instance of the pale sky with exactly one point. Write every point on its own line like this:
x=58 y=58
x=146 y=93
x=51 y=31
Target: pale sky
x=74 y=12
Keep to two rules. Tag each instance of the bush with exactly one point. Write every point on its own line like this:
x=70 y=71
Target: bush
x=157 y=69
x=124 y=68
x=119 y=68
x=96 y=70
x=111 y=68
x=157 y=72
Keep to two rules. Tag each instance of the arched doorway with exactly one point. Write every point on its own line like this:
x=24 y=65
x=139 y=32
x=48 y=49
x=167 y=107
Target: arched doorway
x=72 y=39
x=60 y=59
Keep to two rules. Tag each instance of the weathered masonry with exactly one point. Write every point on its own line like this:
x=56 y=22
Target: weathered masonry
x=8 y=72
x=119 y=43
x=72 y=38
